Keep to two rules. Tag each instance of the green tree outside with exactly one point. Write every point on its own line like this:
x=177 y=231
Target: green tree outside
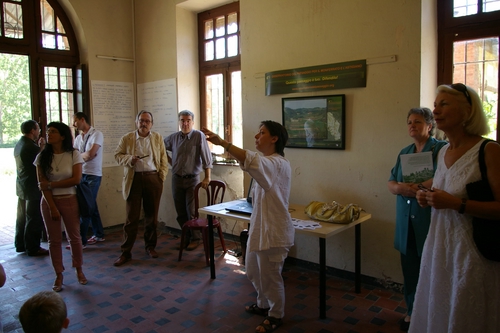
x=15 y=101
x=489 y=110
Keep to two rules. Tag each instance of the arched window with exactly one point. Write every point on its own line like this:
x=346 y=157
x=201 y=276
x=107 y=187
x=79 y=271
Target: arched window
x=39 y=66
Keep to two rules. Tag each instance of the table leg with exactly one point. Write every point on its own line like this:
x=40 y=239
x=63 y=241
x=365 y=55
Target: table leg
x=211 y=245
x=357 y=259
x=322 y=278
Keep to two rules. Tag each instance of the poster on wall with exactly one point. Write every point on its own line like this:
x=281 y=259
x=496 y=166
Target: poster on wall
x=315 y=122
x=160 y=98
x=342 y=75
x=113 y=114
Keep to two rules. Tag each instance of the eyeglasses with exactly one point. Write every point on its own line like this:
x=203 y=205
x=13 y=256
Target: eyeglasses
x=463 y=89
x=144 y=121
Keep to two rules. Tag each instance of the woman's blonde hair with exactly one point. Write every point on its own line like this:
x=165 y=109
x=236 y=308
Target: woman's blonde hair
x=475 y=121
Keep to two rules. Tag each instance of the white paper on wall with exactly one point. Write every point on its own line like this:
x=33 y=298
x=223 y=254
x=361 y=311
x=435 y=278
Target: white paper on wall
x=160 y=98
x=113 y=114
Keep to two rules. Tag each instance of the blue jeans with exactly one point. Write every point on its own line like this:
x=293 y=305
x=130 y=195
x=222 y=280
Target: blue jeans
x=95 y=219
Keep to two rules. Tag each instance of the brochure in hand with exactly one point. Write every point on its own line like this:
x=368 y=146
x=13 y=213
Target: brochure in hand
x=417 y=167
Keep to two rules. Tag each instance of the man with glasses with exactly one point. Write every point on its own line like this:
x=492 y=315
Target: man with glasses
x=143 y=156
x=29 y=223
x=190 y=155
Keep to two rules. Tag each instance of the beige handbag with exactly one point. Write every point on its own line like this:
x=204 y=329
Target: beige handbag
x=333 y=212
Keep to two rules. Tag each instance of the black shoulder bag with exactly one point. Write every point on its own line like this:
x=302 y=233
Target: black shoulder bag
x=86 y=202
x=486 y=232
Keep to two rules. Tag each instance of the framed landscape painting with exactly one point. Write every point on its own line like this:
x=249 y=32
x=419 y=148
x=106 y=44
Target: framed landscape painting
x=315 y=122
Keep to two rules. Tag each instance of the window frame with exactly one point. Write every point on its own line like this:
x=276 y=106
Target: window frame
x=224 y=66
x=454 y=29
x=31 y=45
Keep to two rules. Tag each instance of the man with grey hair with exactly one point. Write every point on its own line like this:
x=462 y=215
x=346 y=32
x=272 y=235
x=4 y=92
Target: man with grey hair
x=144 y=160
x=190 y=155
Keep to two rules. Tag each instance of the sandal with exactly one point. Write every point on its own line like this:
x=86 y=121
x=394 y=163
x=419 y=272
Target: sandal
x=254 y=309
x=270 y=324
x=58 y=283
x=81 y=278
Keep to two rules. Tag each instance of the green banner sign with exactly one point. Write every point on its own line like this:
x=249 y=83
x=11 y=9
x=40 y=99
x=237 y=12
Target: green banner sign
x=343 y=75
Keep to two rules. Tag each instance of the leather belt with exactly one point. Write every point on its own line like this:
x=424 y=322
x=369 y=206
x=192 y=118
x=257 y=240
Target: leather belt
x=185 y=176
x=145 y=173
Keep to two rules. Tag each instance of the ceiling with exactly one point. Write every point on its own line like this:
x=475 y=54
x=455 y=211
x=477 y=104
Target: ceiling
x=198 y=6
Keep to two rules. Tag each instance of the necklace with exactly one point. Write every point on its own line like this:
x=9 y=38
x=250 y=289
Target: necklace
x=57 y=163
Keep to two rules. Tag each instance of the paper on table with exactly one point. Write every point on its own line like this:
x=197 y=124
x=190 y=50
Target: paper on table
x=303 y=224
x=417 y=167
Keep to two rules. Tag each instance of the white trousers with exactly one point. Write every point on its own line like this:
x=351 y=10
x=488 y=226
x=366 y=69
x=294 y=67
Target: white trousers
x=264 y=271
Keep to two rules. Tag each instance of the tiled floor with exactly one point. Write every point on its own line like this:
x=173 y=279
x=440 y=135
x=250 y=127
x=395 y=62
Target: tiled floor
x=163 y=295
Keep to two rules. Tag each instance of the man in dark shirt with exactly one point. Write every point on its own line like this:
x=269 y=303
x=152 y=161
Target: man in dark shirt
x=29 y=223
x=190 y=155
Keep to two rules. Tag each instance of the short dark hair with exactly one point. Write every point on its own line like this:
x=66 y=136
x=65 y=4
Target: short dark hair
x=45 y=312
x=28 y=125
x=144 y=111
x=276 y=129
x=81 y=115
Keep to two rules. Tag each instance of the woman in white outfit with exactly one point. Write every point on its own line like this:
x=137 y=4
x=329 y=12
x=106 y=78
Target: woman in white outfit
x=458 y=289
x=271 y=231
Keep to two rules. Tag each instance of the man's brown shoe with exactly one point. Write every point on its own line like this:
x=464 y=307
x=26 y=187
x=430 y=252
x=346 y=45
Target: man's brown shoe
x=152 y=253
x=121 y=260
x=193 y=245
x=41 y=252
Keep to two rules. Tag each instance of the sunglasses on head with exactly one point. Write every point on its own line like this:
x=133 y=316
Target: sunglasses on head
x=463 y=89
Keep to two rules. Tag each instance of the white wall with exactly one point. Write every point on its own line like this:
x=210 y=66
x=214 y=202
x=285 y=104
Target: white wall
x=279 y=35
x=97 y=34
x=285 y=34
x=187 y=63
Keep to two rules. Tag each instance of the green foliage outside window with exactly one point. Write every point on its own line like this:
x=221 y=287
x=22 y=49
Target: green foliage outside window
x=492 y=118
x=15 y=104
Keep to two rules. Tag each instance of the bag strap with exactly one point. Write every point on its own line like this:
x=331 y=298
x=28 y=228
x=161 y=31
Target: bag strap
x=482 y=164
x=87 y=139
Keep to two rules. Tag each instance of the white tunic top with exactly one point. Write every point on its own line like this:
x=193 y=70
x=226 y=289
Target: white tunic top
x=270 y=223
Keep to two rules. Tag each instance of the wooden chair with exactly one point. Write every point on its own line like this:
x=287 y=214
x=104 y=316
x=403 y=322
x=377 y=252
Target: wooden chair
x=214 y=195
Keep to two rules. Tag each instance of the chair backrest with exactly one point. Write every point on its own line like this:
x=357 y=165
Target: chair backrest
x=214 y=194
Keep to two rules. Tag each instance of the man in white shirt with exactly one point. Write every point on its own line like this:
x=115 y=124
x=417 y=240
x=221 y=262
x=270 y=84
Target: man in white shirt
x=90 y=143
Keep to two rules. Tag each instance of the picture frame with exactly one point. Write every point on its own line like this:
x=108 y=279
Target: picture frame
x=316 y=122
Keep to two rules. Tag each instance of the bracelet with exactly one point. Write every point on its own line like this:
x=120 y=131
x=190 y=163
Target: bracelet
x=228 y=146
x=461 y=210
